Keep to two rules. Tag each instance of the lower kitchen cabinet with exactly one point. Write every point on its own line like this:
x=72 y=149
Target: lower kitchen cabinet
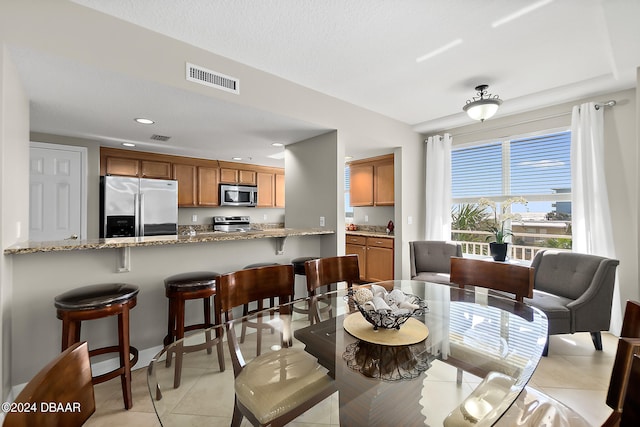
x=375 y=256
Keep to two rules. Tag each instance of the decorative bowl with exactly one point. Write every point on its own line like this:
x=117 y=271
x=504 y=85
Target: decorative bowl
x=389 y=320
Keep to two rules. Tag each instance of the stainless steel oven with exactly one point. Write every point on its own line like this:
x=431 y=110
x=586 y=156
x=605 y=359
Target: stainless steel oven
x=238 y=195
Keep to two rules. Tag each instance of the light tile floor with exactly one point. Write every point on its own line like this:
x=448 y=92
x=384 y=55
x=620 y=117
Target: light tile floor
x=574 y=373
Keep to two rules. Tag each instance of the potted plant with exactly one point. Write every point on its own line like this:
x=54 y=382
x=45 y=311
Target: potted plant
x=497 y=225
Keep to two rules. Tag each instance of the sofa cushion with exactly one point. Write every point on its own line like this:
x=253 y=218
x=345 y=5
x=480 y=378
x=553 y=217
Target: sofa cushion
x=434 y=255
x=566 y=274
x=555 y=307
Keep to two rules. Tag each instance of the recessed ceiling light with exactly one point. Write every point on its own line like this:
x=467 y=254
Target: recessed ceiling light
x=236 y=158
x=144 y=121
x=128 y=144
x=278 y=144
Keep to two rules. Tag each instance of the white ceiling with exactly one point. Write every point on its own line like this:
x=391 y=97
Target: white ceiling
x=361 y=51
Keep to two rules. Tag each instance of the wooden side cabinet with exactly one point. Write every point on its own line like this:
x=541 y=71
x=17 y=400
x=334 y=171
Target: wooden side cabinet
x=379 y=259
x=358 y=245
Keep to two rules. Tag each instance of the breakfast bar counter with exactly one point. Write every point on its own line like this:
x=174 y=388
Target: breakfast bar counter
x=128 y=242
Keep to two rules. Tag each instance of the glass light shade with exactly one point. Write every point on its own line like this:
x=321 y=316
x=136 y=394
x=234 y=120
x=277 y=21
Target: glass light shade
x=482 y=109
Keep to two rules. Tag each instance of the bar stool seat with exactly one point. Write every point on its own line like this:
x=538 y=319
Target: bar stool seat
x=95 y=302
x=190 y=286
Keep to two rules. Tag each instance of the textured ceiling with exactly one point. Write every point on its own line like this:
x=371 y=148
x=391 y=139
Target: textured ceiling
x=364 y=51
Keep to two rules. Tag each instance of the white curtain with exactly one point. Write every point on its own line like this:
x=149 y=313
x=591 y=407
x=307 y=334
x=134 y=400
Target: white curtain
x=438 y=188
x=590 y=212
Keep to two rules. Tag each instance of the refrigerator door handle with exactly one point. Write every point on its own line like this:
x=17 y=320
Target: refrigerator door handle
x=136 y=210
x=141 y=215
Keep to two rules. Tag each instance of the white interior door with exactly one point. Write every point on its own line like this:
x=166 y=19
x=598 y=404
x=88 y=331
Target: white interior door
x=57 y=192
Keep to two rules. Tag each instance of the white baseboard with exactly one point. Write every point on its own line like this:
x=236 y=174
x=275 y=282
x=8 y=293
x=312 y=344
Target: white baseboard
x=144 y=358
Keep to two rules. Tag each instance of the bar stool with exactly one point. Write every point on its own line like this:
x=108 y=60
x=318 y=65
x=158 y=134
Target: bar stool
x=298 y=269
x=95 y=302
x=189 y=286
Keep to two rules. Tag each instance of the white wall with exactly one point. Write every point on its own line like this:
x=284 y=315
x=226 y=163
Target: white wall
x=14 y=199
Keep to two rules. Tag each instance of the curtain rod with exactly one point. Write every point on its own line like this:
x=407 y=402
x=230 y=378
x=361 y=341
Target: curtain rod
x=598 y=105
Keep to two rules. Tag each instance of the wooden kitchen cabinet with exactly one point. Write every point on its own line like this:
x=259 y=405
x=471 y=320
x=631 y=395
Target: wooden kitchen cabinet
x=237 y=176
x=279 y=196
x=379 y=259
x=358 y=245
x=361 y=185
x=198 y=179
x=126 y=166
x=186 y=175
x=266 y=189
x=208 y=180
x=375 y=256
x=371 y=181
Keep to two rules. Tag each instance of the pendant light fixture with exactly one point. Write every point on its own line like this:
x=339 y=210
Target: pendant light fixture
x=482 y=106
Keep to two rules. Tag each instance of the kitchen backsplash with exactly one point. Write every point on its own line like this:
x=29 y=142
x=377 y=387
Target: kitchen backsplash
x=207 y=228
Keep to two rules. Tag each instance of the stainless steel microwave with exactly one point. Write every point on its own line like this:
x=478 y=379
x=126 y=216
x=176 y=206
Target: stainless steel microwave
x=238 y=195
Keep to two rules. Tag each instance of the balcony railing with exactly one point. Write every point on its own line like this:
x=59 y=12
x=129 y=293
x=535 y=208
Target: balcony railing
x=515 y=252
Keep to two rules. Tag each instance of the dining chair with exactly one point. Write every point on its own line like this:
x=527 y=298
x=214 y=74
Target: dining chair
x=533 y=405
x=65 y=383
x=325 y=272
x=503 y=277
x=279 y=385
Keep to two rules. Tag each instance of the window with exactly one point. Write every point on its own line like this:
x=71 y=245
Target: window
x=348 y=209
x=536 y=167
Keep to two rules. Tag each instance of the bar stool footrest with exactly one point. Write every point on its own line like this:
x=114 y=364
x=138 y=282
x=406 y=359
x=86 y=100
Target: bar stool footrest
x=116 y=372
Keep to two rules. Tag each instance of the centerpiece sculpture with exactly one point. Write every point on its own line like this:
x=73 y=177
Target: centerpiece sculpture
x=387 y=310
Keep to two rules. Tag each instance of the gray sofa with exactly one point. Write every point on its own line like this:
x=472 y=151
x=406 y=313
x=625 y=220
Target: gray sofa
x=431 y=259
x=575 y=291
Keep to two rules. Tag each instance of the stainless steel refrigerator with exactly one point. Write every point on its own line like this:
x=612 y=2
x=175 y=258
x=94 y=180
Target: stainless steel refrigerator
x=132 y=207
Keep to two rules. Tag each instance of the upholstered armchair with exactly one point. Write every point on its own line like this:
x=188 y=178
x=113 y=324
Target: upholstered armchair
x=431 y=259
x=575 y=291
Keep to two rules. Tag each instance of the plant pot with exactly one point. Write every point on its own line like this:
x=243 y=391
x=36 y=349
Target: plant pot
x=498 y=251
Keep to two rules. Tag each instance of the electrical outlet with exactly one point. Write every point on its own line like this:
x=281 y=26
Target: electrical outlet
x=409 y=220
x=366 y=218
x=194 y=218
x=321 y=221
x=264 y=217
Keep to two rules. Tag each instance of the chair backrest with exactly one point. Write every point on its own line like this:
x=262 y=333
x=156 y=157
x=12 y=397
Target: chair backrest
x=628 y=345
x=325 y=271
x=432 y=255
x=245 y=286
x=254 y=284
x=569 y=274
x=512 y=278
x=631 y=408
x=64 y=382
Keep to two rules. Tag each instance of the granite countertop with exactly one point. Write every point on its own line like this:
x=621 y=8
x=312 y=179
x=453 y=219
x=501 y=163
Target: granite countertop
x=123 y=242
x=367 y=233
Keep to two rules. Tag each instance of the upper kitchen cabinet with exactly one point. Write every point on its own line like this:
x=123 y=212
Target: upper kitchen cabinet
x=141 y=165
x=371 y=181
x=270 y=188
x=232 y=175
x=198 y=179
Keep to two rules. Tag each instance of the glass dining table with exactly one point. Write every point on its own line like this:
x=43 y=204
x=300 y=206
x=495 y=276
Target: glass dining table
x=461 y=361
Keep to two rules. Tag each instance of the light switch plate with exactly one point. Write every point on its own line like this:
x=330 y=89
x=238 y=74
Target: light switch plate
x=321 y=221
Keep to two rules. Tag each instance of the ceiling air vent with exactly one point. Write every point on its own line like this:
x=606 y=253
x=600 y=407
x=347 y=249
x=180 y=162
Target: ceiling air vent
x=160 y=137
x=206 y=77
